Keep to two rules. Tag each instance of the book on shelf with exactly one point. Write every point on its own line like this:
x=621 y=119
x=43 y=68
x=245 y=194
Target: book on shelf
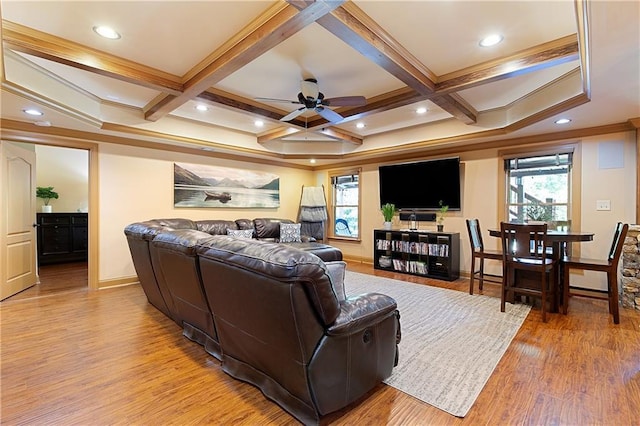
x=412 y=266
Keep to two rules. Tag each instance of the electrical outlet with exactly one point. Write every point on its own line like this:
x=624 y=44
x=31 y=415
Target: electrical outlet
x=603 y=205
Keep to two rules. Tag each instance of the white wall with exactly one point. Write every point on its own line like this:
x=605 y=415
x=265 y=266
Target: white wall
x=67 y=170
x=136 y=184
x=617 y=185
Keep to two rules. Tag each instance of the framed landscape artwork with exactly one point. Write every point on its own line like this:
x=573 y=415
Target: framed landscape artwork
x=197 y=185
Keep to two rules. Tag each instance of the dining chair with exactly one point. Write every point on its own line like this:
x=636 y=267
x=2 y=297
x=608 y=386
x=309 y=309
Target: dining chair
x=524 y=249
x=478 y=252
x=608 y=265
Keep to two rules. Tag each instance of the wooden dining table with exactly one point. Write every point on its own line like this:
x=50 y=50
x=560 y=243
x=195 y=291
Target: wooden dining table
x=559 y=239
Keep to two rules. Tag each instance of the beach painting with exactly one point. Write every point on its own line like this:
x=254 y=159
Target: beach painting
x=198 y=185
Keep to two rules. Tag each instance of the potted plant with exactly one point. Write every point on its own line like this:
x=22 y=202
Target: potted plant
x=388 y=210
x=444 y=208
x=47 y=194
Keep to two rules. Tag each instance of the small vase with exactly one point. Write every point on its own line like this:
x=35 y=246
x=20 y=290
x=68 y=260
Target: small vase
x=440 y=228
x=47 y=209
x=387 y=226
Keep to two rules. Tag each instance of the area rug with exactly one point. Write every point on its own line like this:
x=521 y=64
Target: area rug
x=451 y=341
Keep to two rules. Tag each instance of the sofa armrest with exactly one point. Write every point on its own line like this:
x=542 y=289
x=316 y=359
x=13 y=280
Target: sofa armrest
x=307 y=239
x=362 y=311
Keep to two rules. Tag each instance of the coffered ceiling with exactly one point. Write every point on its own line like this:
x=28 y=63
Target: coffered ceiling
x=578 y=60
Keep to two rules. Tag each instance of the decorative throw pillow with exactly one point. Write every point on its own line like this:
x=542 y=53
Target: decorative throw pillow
x=240 y=233
x=290 y=233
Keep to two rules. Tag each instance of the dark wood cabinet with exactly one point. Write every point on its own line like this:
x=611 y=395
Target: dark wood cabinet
x=62 y=237
x=428 y=254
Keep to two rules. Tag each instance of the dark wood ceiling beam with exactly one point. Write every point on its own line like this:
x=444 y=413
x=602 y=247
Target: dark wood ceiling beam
x=351 y=25
x=278 y=23
x=457 y=106
x=235 y=102
x=46 y=46
x=539 y=57
x=280 y=133
x=340 y=135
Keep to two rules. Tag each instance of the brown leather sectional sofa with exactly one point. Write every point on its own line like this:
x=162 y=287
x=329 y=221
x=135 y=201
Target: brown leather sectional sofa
x=276 y=315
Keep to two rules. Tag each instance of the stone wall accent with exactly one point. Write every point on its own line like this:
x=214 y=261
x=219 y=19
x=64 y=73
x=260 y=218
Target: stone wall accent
x=631 y=269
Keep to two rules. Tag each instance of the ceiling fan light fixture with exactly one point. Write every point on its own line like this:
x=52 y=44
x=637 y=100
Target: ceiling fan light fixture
x=309 y=88
x=491 y=40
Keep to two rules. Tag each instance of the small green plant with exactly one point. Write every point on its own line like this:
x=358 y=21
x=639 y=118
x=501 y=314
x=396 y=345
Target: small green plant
x=444 y=208
x=388 y=210
x=46 y=193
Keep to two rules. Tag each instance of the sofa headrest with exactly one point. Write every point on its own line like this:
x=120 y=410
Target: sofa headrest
x=216 y=227
x=176 y=223
x=144 y=230
x=244 y=223
x=180 y=240
x=147 y=230
x=268 y=227
x=279 y=262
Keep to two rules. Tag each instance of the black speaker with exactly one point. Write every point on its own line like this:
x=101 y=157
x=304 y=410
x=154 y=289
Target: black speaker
x=421 y=217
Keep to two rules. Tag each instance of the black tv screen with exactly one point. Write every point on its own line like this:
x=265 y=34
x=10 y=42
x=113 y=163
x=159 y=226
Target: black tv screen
x=421 y=185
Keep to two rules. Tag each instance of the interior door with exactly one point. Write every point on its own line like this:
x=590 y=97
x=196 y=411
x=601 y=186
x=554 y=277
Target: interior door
x=18 y=212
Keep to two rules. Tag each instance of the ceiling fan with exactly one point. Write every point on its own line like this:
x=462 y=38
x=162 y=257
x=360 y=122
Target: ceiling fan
x=312 y=99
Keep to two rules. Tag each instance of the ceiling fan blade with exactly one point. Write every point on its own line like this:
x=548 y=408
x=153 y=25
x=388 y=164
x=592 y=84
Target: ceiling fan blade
x=345 y=101
x=328 y=114
x=277 y=100
x=293 y=114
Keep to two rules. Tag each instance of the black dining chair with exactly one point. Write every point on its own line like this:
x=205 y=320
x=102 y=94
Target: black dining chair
x=478 y=252
x=608 y=265
x=524 y=250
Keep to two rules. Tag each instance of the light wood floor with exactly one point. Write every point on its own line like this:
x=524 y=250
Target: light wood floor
x=108 y=357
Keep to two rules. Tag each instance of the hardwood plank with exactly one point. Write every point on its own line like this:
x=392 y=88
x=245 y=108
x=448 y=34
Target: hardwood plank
x=109 y=357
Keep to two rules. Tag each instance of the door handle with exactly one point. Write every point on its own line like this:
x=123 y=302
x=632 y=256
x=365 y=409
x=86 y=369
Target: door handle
x=35 y=225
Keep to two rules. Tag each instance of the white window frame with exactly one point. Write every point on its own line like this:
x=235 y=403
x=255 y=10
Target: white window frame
x=333 y=176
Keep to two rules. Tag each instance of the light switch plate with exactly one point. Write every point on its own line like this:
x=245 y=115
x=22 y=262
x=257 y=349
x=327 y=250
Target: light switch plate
x=603 y=205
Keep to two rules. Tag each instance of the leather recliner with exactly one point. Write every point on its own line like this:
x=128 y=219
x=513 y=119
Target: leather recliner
x=174 y=254
x=139 y=235
x=283 y=327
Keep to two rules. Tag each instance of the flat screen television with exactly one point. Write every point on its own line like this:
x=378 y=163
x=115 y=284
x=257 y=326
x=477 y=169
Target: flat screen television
x=421 y=185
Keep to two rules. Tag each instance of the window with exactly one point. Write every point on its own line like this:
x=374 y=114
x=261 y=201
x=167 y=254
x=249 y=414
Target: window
x=539 y=189
x=345 y=202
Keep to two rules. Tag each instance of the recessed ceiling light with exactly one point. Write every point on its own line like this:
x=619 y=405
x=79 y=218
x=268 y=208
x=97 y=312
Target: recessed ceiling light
x=563 y=121
x=33 y=111
x=491 y=40
x=202 y=107
x=312 y=161
x=360 y=125
x=258 y=123
x=106 y=32
x=421 y=110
